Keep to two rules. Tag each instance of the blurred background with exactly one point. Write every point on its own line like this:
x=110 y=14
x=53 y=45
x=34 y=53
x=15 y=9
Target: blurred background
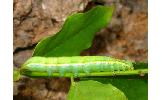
x=125 y=37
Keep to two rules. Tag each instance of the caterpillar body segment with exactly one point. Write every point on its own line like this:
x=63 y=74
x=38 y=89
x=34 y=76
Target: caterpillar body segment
x=75 y=65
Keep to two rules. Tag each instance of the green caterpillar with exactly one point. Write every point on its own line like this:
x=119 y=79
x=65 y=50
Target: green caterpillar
x=74 y=65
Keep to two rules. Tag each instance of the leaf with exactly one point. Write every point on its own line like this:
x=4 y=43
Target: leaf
x=140 y=65
x=134 y=89
x=76 y=34
x=93 y=90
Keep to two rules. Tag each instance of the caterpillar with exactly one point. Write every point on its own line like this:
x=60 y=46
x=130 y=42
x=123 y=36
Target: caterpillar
x=74 y=65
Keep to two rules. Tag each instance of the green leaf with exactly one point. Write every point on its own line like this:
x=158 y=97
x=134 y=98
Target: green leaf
x=93 y=90
x=134 y=89
x=76 y=34
x=140 y=65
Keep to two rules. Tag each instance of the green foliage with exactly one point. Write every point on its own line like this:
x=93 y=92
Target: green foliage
x=134 y=89
x=93 y=90
x=140 y=65
x=76 y=34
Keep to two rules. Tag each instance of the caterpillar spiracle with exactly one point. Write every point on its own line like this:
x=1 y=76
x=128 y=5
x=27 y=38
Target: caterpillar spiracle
x=74 y=65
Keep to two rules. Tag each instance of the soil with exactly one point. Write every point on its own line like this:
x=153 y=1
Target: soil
x=126 y=37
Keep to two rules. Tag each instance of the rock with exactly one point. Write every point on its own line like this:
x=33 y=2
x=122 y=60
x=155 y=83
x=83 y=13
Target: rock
x=20 y=57
x=35 y=17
